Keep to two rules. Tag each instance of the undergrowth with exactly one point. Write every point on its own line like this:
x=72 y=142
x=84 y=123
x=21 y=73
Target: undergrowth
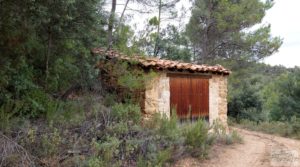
x=286 y=129
x=85 y=132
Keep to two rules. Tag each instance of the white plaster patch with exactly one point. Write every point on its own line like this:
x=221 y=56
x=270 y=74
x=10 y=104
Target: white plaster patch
x=158 y=96
x=213 y=99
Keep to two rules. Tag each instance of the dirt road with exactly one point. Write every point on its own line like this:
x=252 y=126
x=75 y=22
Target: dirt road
x=258 y=150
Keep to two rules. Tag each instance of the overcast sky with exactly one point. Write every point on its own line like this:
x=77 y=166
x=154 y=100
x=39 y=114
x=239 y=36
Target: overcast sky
x=284 y=18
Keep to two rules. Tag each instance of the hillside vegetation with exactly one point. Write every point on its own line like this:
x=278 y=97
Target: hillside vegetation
x=56 y=110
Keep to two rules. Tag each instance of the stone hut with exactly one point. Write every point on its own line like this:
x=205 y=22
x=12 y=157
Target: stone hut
x=189 y=90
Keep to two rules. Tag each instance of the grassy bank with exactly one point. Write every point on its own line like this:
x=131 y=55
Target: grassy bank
x=286 y=129
x=92 y=131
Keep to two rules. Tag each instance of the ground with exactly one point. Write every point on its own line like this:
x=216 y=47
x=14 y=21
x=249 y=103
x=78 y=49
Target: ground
x=257 y=150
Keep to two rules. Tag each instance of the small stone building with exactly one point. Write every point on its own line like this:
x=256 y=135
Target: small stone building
x=189 y=90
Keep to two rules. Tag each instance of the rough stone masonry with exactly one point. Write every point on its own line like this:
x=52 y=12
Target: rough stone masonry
x=157 y=97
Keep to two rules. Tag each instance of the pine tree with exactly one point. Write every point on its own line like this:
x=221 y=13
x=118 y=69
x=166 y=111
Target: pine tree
x=219 y=29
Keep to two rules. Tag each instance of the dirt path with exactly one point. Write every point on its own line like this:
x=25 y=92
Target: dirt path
x=258 y=150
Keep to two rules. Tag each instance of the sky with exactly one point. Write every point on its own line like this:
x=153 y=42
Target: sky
x=284 y=18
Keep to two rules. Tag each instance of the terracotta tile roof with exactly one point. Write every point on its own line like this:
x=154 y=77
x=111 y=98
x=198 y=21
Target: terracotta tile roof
x=161 y=64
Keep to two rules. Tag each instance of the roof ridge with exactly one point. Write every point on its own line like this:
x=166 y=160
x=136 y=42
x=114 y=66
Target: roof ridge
x=158 y=63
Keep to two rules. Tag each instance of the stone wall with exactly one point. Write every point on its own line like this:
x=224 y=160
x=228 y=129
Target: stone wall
x=157 y=96
x=218 y=99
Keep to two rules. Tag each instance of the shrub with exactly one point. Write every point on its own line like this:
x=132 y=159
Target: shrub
x=126 y=113
x=51 y=143
x=236 y=137
x=107 y=149
x=218 y=128
x=286 y=129
x=246 y=104
x=5 y=117
x=233 y=137
x=196 y=134
x=113 y=136
x=282 y=96
x=95 y=162
x=67 y=113
x=169 y=130
x=162 y=157
x=109 y=100
x=219 y=134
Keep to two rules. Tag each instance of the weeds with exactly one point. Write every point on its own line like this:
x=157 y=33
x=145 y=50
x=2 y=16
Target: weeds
x=96 y=135
x=219 y=135
x=285 y=129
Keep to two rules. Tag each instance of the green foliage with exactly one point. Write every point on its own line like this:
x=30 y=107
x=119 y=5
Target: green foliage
x=7 y=112
x=283 y=96
x=286 y=129
x=65 y=113
x=162 y=157
x=45 y=48
x=196 y=135
x=219 y=134
x=109 y=100
x=102 y=136
x=172 y=43
x=95 y=162
x=233 y=137
x=51 y=143
x=125 y=41
x=217 y=30
x=131 y=81
x=246 y=104
x=249 y=93
x=126 y=75
x=108 y=148
x=154 y=21
x=218 y=128
x=169 y=128
x=264 y=98
x=126 y=113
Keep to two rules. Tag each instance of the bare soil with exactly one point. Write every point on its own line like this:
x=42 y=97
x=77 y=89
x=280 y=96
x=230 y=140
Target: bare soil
x=257 y=150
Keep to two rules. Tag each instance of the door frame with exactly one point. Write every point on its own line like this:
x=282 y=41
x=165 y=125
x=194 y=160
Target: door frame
x=189 y=75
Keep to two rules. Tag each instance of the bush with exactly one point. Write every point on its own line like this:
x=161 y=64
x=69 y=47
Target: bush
x=51 y=143
x=282 y=96
x=233 y=137
x=246 y=104
x=126 y=113
x=196 y=137
x=107 y=149
x=100 y=136
x=285 y=129
x=5 y=116
x=168 y=129
x=65 y=113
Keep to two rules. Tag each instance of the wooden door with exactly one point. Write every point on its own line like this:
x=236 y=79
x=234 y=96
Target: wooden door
x=189 y=96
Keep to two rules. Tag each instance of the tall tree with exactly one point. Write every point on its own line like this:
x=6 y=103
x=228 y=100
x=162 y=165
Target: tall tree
x=174 y=44
x=122 y=15
x=219 y=29
x=46 y=44
x=111 y=24
x=165 y=10
x=282 y=96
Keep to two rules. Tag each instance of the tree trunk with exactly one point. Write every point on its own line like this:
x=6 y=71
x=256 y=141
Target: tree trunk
x=111 y=24
x=158 y=30
x=47 y=58
x=122 y=15
x=204 y=55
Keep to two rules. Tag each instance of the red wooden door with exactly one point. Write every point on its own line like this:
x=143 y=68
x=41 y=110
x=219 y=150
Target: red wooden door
x=189 y=96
